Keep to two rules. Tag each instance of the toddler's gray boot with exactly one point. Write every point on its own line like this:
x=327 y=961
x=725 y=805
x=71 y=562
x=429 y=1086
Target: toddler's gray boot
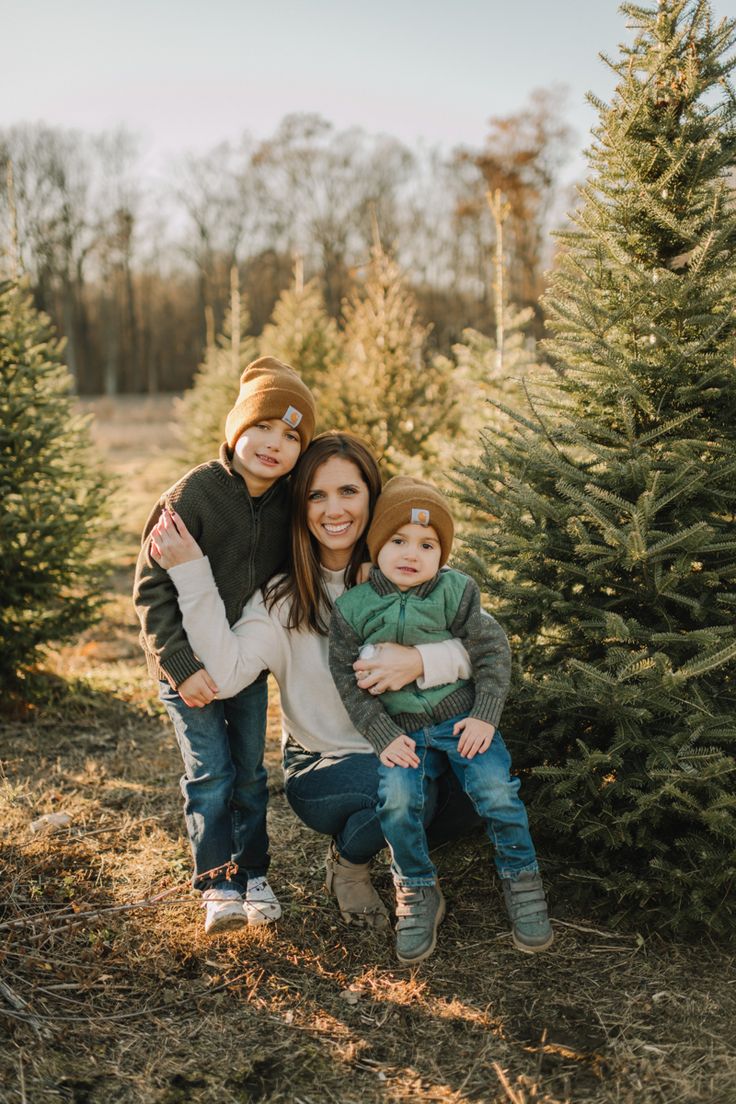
x=356 y=895
x=527 y=908
x=419 y=911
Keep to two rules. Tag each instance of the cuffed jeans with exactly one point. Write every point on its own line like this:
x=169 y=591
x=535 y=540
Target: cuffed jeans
x=404 y=791
x=338 y=794
x=224 y=782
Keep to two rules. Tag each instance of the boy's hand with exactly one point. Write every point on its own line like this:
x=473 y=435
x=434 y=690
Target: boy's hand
x=400 y=753
x=393 y=667
x=197 y=690
x=172 y=543
x=476 y=736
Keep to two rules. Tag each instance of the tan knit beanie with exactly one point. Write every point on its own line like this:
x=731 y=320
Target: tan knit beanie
x=271 y=389
x=404 y=501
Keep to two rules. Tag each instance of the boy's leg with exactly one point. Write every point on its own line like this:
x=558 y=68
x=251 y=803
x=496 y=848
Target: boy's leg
x=246 y=722
x=486 y=778
x=402 y=798
x=245 y=715
x=206 y=785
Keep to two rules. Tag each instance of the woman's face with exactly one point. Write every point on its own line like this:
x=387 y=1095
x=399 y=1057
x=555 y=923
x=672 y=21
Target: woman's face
x=338 y=504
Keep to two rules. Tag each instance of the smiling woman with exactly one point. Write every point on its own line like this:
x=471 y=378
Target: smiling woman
x=331 y=773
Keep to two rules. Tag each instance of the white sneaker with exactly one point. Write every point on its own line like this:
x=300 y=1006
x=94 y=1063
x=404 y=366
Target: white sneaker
x=261 y=904
x=224 y=910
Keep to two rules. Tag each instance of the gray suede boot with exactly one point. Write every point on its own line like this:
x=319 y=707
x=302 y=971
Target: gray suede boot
x=526 y=905
x=419 y=911
x=356 y=896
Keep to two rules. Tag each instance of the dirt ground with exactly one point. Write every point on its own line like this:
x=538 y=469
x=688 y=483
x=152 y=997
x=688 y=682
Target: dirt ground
x=110 y=992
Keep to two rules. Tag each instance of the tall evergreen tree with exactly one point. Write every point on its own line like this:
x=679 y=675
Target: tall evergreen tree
x=302 y=334
x=52 y=489
x=606 y=541
x=389 y=389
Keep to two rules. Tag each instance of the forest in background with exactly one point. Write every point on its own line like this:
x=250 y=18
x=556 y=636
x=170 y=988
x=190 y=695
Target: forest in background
x=135 y=272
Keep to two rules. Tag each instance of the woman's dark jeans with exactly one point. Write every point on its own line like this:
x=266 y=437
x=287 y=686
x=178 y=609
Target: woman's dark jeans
x=337 y=795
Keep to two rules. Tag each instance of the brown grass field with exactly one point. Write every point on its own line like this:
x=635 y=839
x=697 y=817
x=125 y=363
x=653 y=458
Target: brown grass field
x=110 y=991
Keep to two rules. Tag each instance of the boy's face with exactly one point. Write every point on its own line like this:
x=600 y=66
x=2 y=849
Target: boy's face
x=411 y=556
x=265 y=452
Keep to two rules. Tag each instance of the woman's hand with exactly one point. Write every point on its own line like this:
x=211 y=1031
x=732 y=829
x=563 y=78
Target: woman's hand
x=391 y=668
x=172 y=543
x=400 y=753
x=198 y=690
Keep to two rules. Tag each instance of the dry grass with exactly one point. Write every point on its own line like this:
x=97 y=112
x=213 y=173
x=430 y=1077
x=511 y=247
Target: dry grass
x=101 y=1001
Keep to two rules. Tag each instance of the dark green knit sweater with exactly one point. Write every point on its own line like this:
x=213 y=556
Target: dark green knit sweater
x=245 y=538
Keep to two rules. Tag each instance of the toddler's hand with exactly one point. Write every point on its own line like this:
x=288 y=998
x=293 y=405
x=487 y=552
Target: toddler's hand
x=171 y=541
x=400 y=753
x=197 y=690
x=475 y=736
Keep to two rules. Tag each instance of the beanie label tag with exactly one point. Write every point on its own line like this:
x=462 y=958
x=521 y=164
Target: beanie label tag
x=292 y=416
x=420 y=516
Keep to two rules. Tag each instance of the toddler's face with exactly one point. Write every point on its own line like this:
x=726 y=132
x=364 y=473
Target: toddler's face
x=265 y=452
x=411 y=556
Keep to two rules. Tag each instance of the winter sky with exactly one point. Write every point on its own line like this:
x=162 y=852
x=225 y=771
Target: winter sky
x=186 y=74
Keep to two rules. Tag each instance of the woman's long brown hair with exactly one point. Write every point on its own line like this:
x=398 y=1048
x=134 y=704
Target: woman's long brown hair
x=303 y=587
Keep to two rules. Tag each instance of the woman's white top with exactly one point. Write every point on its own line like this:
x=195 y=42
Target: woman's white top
x=313 y=714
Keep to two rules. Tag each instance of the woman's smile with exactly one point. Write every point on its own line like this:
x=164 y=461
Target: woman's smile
x=338 y=504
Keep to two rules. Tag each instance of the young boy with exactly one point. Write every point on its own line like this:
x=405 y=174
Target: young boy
x=408 y=599
x=237 y=508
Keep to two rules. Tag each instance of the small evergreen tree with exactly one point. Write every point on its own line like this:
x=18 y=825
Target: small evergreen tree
x=302 y=334
x=389 y=391
x=52 y=489
x=607 y=543
x=203 y=408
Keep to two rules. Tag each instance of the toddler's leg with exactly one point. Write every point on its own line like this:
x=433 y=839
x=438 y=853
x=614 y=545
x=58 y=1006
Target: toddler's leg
x=420 y=906
x=487 y=780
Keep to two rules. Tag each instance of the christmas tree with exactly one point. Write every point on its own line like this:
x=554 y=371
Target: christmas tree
x=389 y=390
x=606 y=540
x=492 y=368
x=53 y=492
x=202 y=410
x=302 y=334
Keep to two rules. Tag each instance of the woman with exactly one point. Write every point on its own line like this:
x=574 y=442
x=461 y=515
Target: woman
x=331 y=772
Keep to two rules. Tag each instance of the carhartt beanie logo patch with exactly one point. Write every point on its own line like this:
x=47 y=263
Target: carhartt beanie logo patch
x=292 y=416
x=419 y=516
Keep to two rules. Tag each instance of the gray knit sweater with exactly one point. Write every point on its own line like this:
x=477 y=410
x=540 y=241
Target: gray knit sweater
x=446 y=606
x=245 y=539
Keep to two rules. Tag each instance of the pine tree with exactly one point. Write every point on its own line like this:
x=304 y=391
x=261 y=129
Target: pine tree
x=389 y=390
x=203 y=408
x=492 y=369
x=53 y=493
x=302 y=334
x=607 y=545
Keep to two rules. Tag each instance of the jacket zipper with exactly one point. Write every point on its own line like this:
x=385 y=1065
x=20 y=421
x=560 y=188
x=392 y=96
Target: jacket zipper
x=400 y=640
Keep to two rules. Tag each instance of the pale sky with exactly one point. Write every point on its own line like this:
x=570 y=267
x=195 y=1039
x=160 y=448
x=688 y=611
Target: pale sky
x=185 y=74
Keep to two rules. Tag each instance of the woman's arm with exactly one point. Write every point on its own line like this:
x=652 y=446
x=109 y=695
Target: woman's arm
x=234 y=657
x=396 y=665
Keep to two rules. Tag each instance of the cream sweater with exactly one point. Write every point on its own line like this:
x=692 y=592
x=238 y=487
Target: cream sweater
x=312 y=712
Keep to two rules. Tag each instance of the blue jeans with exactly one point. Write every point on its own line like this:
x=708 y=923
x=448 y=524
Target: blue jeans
x=224 y=783
x=338 y=794
x=487 y=781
